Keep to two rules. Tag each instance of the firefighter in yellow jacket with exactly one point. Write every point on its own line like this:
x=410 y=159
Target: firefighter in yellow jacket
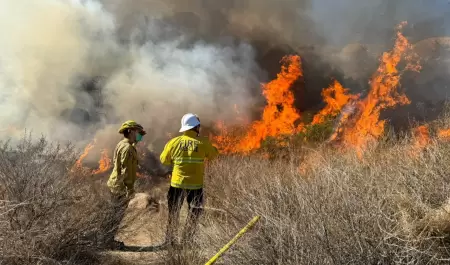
x=186 y=154
x=123 y=176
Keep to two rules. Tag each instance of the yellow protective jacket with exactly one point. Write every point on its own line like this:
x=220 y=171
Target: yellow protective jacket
x=123 y=176
x=187 y=154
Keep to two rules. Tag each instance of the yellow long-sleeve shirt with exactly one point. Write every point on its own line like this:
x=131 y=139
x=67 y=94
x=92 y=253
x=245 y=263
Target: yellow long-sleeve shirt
x=123 y=176
x=187 y=154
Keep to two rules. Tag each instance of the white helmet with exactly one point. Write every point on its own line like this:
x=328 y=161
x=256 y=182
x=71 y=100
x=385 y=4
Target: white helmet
x=189 y=121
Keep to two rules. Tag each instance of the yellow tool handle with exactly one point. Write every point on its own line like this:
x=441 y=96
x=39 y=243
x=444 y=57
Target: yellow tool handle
x=232 y=241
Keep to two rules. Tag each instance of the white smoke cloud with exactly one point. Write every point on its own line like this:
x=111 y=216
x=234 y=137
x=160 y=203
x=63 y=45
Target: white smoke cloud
x=48 y=47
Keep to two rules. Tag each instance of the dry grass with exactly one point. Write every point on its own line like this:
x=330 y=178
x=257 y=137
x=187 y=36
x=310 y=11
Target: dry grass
x=390 y=207
x=49 y=214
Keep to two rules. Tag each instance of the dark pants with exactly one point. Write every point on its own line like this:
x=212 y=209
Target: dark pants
x=175 y=198
x=119 y=204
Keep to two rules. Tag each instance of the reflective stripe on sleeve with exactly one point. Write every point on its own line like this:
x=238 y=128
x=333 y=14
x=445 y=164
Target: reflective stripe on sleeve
x=188 y=160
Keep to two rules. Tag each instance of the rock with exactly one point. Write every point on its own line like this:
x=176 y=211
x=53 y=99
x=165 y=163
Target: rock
x=143 y=201
x=140 y=201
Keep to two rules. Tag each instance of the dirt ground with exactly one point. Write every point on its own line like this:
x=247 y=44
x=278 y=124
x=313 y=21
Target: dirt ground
x=142 y=230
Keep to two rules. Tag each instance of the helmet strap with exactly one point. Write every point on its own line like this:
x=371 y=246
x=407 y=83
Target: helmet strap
x=197 y=129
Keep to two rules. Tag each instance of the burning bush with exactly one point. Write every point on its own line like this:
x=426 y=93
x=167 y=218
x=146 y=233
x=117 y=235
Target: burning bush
x=359 y=121
x=312 y=135
x=49 y=214
x=384 y=209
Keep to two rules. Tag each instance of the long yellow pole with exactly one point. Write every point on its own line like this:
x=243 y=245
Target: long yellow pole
x=232 y=241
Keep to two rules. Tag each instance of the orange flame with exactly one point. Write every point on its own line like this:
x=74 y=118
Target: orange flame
x=227 y=138
x=87 y=149
x=104 y=164
x=359 y=121
x=279 y=115
x=421 y=137
x=444 y=134
x=366 y=125
x=335 y=97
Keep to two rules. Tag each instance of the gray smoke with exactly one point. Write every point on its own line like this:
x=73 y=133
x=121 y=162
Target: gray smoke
x=51 y=50
x=337 y=39
x=75 y=69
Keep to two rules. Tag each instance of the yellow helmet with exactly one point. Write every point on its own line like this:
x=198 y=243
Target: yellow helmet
x=130 y=124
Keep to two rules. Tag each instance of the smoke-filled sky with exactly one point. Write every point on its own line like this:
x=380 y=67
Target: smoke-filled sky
x=50 y=47
x=361 y=21
x=157 y=59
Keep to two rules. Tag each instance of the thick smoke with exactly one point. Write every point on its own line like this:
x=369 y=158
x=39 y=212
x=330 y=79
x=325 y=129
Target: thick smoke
x=66 y=73
x=336 y=39
x=74 y=69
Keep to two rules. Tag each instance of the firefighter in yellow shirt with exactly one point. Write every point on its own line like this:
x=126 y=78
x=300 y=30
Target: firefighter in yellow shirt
x=186 y=154
x=122 y=179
